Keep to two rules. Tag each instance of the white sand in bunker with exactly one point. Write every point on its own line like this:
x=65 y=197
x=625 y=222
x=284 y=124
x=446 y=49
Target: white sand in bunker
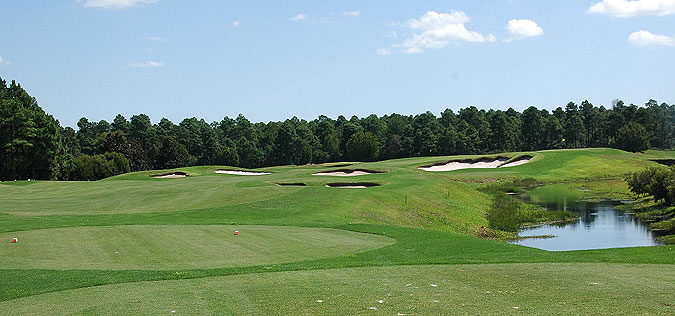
x=484 y=163
x=242 y=173
x=171 y=175
x=516 y=163
x=346 y=173
x=347 y=186
x=358 y=185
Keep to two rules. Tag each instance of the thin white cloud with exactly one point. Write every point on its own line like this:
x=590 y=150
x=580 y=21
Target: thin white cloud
x=299 y=17
x=646 y=38
x=625 y=8
x=391 y=34
x=523 y=28
x=436 y=30
x=149 y=64
x=383 y=51
x=116 y=4
x=236 y=24
x=157 y=39
x=4 y=62
x=353 y=13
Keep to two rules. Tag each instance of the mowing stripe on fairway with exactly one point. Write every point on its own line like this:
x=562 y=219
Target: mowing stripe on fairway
x=494 y=289
x=178 y=246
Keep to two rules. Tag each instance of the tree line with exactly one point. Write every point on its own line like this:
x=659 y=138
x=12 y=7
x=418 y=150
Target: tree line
x=35 y=146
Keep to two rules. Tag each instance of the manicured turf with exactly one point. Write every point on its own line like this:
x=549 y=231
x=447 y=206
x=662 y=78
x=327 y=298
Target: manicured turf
x=495 y=289
x=178 y=246
x=69 y=233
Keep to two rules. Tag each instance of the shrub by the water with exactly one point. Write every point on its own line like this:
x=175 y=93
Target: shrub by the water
x=508 y=213
x=658 y=182
x=503 y=214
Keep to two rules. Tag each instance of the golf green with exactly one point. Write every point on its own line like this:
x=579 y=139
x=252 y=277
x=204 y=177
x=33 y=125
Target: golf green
x=177 y=246
x=492 y=289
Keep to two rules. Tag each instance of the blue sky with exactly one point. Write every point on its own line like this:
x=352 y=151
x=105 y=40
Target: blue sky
x=272 y=60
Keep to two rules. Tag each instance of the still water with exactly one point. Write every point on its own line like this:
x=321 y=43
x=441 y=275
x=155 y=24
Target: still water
x=600 y=225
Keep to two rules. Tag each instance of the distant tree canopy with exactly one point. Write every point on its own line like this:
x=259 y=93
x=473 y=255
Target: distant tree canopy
x=30 y=139
x=632 y=137
x=34 y=145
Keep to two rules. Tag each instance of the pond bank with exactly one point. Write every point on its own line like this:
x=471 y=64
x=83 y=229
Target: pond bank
x=587 y=214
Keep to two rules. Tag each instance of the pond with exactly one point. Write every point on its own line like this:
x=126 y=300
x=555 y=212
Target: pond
x=600 y=224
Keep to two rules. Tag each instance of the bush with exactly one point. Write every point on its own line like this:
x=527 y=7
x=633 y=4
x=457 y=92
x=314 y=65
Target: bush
x=90 y=168
x=658 y=182
x=503 y=214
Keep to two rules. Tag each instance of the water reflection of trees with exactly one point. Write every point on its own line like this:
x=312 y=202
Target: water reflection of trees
x=591 y=213
x=600 y=225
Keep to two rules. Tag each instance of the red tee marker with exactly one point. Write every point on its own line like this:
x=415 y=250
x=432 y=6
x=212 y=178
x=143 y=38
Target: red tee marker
x=236 y=233
x=15 y=240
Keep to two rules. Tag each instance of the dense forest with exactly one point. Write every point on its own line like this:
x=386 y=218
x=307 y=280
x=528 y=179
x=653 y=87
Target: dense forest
x=35 y=146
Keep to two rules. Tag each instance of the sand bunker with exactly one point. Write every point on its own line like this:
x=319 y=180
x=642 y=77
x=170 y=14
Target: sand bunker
x=242 y=172
x=347 y=172
x=177 y=174
x=290 y=184
x=484 y=163
x=517 y=162
x=357 y=185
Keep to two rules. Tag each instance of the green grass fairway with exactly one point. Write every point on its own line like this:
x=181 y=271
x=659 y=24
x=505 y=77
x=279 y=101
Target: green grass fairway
x=133 y=244
x=178 y=246
x=496 y=289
